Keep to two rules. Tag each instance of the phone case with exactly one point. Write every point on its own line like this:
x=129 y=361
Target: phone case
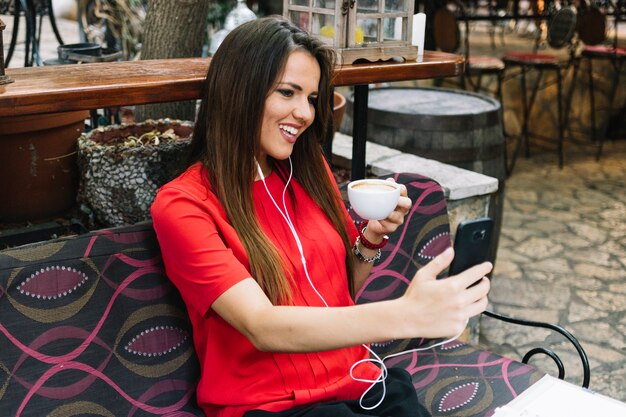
x=471 y=244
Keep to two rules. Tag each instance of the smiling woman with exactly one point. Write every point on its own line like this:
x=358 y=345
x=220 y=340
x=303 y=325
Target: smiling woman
x=267 y=259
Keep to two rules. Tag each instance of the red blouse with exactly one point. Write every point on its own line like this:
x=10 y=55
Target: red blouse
x=204 y=257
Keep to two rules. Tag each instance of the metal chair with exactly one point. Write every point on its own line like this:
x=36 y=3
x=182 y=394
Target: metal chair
x=592 y=32
x=561 y=30
x=30 y=9
x=447 y=38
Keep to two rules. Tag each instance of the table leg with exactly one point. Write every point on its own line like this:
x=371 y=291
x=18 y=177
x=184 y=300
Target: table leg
x=327 y=146
x=359 y=131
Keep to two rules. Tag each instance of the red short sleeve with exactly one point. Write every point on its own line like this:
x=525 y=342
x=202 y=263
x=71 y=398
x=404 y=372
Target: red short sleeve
x=202 y=255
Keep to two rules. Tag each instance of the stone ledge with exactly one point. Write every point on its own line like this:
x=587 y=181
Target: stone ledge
x=457 y=183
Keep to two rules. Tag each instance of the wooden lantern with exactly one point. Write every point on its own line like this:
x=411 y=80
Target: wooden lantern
x=358 y=29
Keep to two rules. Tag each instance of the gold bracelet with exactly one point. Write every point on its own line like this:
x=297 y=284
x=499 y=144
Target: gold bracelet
x=363 y=258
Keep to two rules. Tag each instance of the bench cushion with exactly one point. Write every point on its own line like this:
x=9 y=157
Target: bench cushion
x=455 y=379
x=91 y=325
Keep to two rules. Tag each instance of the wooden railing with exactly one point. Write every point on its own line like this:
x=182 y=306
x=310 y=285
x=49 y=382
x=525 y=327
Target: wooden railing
x=38 y=90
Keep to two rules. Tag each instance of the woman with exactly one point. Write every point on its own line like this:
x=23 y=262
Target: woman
x=257 y=240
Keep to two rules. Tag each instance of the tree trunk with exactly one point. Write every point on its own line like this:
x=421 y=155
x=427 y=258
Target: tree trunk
x=173 y=29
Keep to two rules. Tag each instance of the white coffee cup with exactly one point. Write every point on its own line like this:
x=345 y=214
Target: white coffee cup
x=373 y=199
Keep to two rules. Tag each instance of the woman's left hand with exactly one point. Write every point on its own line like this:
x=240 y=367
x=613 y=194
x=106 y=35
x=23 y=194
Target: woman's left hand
x=376 y=229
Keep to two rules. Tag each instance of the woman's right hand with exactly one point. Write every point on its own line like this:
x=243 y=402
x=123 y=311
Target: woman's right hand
x=441 y=308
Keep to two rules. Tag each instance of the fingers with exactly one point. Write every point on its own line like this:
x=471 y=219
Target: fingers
x=395 y=218
x=403 y=191
x=471 y=275
x=436 y=266
x=480 y=303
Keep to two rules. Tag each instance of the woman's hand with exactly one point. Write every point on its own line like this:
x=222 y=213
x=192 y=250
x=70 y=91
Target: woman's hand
x=377 y=229
x=441 y=308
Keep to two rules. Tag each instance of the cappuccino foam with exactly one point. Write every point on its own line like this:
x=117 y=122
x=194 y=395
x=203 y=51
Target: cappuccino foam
x=373 y=188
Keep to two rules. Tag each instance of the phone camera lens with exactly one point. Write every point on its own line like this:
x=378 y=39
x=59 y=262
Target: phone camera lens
x=479 y=234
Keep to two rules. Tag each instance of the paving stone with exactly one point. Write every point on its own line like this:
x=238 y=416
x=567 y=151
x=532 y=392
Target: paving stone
x=524 y=293
x=560 y=203
x=598 y=271
x=579 y=312
x=603 y=300
x=612 y=247
x=617 y=213
x=538 y=248
x=575 y=281
x=610 y=383
x=615 y=288
x=506 y=253
x=593 y=198
x=556 y=265
x=601 y=355
x=525 y=195
x=572 y=241
x=547 y=226
x=562 y=216
x=590 y=212
x=593 y=256
x=519 y=234
x=507 y=269
x=542 y=277
x=499 y=333
x=599 y=331
x=546 y=315
x=505 y=242
x=589 y=232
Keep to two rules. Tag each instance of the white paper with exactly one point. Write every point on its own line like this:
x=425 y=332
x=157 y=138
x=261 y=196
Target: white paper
x=419 y=27
x=552 y=397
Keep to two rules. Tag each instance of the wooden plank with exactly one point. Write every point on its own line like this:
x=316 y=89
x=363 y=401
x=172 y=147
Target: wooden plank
x=38 y=90
x=90 y=86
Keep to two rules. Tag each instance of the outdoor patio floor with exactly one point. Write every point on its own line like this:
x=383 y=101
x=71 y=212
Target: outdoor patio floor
x=562 y=254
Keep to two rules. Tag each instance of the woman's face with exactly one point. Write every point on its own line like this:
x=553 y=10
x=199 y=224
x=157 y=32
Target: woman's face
x=289 y=107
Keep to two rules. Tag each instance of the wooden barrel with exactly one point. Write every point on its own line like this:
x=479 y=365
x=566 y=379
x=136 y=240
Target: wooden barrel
x=452 y=126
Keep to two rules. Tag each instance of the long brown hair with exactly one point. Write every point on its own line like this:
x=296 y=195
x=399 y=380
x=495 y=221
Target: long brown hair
x=226 y=138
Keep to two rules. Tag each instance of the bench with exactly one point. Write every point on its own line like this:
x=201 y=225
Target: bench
x=91 y=325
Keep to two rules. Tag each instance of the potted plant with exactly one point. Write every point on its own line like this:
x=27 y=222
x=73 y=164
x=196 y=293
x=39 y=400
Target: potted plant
x=122 y=166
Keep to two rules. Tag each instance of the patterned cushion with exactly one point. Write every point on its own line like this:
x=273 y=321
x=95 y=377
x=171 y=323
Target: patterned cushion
x=91 y=325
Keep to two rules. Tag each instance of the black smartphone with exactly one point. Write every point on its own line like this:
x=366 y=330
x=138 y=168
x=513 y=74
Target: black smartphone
x=471 y=244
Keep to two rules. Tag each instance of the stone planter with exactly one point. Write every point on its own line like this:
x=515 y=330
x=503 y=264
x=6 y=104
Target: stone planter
x=38 y=165
x=122 y=166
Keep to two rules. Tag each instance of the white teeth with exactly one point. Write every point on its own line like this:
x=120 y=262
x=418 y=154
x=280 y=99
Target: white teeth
x=289 y=129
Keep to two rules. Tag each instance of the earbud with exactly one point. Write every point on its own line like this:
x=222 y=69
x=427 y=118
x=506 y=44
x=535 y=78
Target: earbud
x=260 y=171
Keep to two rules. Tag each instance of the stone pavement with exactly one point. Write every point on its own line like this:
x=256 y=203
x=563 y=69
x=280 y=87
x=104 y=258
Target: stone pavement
x=562 y=254
x=562 y=259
